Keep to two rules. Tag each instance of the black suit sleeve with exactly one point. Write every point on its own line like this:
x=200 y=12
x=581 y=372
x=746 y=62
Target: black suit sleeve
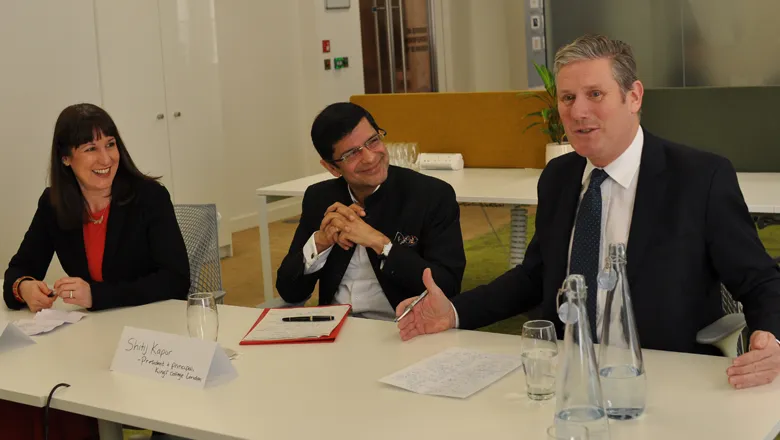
x=516 y=291
x=171 y=279
x=441 y=245
x=34 y=255
x=293 y=285
x=738 y=255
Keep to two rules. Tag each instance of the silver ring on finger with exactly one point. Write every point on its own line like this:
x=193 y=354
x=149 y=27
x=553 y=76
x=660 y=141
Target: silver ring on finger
x=71 y=294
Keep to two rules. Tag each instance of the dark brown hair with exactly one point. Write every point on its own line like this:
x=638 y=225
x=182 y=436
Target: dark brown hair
x=334 y=123
x=79 y=124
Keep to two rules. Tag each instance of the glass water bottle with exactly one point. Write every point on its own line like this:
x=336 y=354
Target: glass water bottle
x=620 y=355
x=579 y=400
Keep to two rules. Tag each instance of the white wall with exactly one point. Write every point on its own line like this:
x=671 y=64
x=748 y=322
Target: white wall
x=323 y=87
x=489 y=46
x=516 y=43
x=273 y=85
x=481 y=45
x=131 y=77
x=259 y=105
x=41 y=75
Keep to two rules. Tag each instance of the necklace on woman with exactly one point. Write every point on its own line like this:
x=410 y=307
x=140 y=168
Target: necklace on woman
x=97 y=221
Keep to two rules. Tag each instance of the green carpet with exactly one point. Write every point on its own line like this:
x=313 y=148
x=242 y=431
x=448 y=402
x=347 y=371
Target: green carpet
x=770 y=236
x=487 y=257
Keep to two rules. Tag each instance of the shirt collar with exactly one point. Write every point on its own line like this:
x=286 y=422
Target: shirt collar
x=623 y=169
x=352 y=196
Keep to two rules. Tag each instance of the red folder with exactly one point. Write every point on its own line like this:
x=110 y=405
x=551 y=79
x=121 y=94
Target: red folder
x=326 y=338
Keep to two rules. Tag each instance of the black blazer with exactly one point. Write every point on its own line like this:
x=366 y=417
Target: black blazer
x=144 y=258
x=690 y=230
x=418 y=213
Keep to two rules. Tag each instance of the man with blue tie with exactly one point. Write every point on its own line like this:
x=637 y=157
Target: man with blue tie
x=679 y=210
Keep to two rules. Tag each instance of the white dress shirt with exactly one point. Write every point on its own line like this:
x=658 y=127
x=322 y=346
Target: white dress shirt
x=617 y=205
x=618 y=193
x=359 y=285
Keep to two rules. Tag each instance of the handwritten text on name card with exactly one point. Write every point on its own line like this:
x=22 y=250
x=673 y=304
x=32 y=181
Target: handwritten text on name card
x=159 y=357
x=169 y=357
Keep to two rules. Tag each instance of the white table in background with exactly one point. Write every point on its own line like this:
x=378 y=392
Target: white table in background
x=331 y=390
x=507 y=186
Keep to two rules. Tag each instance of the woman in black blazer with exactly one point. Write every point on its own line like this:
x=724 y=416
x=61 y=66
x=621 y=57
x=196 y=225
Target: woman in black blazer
x=113 y=228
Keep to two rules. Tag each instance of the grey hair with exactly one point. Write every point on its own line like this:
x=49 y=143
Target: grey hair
x=594 y=47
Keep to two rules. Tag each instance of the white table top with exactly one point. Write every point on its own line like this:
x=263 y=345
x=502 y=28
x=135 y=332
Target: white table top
x=761 y=191
x=331 y=391
x=517 y=186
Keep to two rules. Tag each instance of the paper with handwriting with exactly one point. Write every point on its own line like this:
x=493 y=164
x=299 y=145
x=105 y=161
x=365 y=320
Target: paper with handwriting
x=455 y=372
x=47 y=320
x=271 y=327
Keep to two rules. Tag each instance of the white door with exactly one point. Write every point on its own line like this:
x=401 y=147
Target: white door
x=131 y=72
x=193 y=100
x=49 y=61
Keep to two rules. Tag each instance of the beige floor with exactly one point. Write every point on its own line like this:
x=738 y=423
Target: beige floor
x=241 y=273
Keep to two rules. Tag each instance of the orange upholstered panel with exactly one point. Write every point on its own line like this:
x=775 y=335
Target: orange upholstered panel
x=487 y=128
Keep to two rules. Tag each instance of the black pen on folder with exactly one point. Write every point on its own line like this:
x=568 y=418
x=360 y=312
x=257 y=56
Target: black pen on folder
x=307 y=318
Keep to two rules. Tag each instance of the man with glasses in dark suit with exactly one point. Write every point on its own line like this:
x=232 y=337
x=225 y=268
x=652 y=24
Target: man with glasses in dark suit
x=368 y=234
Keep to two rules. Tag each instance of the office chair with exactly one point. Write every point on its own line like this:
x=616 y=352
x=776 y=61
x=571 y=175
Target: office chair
x=198 y=225
x=728 y=333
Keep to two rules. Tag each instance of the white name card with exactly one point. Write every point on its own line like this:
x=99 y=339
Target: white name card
x=172 y=358
x=11 y=337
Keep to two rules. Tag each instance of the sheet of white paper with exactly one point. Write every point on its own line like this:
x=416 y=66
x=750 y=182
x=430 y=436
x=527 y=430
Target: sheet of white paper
x=59 y=315
x=33 y=327
x=47 y=320
x=455 y=372
x=221 y=370
x=11 y=337
x=273 y=328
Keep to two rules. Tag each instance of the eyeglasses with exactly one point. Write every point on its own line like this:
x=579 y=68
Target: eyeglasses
x=372 y=144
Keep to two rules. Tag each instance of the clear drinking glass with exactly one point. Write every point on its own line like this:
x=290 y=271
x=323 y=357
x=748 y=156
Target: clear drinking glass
x=202 y=316
x=392 y=152
x=401 y=154
x=567 y=432
x=539 y=351
x=414 y=154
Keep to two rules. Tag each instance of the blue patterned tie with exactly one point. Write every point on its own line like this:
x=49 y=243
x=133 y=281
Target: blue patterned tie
x=587 y=242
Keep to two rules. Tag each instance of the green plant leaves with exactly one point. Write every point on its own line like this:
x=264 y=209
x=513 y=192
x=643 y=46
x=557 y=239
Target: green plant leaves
x=551 y=119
